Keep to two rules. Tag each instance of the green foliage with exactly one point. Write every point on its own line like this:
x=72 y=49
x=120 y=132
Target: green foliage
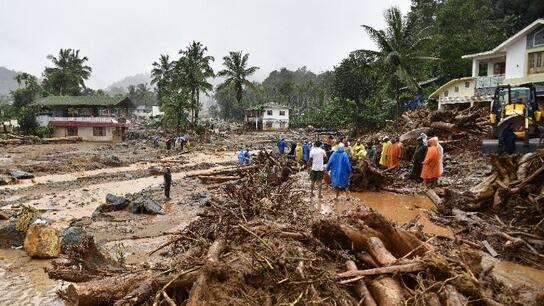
x=27 y=121
x=68 y=76
x=24 y=96
x=236 y=73
x=141 y=95
x=44 y=131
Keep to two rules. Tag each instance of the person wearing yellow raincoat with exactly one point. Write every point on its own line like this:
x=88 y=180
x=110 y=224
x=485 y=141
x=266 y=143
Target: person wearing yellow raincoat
x=383 y=155
x=298 y=152
x=355 y=148
x=361 y=152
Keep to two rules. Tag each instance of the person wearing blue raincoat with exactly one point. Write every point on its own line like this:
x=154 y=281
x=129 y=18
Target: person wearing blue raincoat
x=244 y=157
x=305 y=151
x=281 y=145
x=339 y=167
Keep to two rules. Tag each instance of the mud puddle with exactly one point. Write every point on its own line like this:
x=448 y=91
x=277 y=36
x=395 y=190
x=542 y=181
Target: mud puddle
x=400 y=208
x=24 y=282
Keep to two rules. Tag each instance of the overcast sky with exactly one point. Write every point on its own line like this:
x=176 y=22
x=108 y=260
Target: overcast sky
x=123 y=37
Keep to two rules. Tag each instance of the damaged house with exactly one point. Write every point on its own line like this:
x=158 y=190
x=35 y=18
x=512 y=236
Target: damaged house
x=101 y=119
x=270 y=116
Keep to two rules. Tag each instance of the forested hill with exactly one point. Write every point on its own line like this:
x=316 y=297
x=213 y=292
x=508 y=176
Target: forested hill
x=140 y=78
x=7 y=81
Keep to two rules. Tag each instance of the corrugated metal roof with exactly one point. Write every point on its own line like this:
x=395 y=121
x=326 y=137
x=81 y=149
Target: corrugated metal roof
x=81 y=101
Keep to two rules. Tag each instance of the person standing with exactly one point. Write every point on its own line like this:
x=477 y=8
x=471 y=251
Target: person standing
x=440 y=155
x=167 y=182
x=168 y=143
x=298 y=152
x=371 y=153
x=383 y=154
x=394 y=153
x=418 y=157
x=430 y=171
x=317 y=157
x=281 y=145
x=508 y=141
x=293 y=149
x=306 y=151
x=339 y=167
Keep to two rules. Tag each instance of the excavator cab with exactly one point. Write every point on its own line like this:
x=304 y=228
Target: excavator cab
x=515 y=107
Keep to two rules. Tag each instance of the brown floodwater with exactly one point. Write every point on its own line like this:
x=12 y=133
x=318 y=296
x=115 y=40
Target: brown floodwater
x=24 y=282
x=401 y=208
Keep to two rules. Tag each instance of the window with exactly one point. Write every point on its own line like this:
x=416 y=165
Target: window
x=467 y=84
x=99 y=131
x=268 y=124
x=456 y=89
x=71 y=131
x=282 y=113
x=446 y=93
x=536 y=62
x=269 y=112
x=499 y=68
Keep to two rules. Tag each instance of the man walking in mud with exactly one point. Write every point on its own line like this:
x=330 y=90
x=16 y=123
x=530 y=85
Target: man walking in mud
x=167 y=182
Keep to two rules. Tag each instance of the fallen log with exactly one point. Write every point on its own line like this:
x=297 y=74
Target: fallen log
x=388 y=291
x=217 y=179
x=414 y=134
x=445 y=126
x=434 y=197
x=360 y=287
x=200 y=287
x=378 y=251
x=367 y=259
x=410 y=267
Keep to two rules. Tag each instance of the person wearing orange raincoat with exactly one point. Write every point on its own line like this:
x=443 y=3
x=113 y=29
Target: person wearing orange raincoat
x=431 y=164
x=394 y=153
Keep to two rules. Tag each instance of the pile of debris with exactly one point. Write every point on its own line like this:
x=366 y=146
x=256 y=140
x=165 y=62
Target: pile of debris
x=512 y=197
x=365 y=177
x=458 y=129
x=260 y=242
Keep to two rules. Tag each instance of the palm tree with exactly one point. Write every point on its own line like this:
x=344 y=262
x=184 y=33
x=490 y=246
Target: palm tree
x=236 y=73
x=399 y=46
x=69 y=74
x=194 y=70
x=161 y=69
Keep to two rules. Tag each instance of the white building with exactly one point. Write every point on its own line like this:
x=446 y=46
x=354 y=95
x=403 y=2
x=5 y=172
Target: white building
x=271 y=116
x=101 y=119
x=146 y=112
x=518 y=60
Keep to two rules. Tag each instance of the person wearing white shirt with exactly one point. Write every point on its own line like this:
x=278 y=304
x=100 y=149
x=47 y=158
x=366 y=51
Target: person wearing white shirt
x=317 y=158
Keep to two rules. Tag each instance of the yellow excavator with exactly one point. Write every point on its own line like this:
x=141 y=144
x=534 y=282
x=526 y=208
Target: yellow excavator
x=516 y=107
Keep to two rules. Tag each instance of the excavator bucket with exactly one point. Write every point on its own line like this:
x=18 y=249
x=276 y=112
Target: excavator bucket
x=492 y=146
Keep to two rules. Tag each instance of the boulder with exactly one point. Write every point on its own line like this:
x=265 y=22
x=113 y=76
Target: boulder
x=113 y=203
x=21 y=175
x=9 y=235
x=146 y=205
x=71 y=237
x=42 y=241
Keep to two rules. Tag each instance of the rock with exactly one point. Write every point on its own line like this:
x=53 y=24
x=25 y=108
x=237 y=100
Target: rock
x=155 y=170
x=4 y=215
x=21 y=175
x=72 y=236
x=82 y=222
x=6 y=180
x=146 y=205
x=113 y=203
x=9 y=235
x=42 y=241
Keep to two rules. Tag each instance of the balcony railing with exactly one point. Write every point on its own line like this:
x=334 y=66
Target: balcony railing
x=490 y=81
x=82 y=119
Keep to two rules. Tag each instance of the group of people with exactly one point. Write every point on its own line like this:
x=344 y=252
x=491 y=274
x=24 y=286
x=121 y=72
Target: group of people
x=330 y=157
x=171 y=142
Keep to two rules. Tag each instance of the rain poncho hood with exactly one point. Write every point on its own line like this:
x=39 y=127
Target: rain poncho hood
x=281 y=145
x=305 y=151
x=340 y=168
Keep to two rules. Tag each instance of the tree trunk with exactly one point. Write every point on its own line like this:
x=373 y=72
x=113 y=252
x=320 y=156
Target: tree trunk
x=378 y=251
x=388 y=291
x=360 y=287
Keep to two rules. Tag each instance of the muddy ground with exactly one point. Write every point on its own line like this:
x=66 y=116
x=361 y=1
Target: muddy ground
x=72 y=180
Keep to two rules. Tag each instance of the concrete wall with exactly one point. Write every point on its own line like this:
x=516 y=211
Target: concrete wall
x=276 y=114
x=86 y=133
x=463 y=91
x=276 y=124
x=516 y=59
